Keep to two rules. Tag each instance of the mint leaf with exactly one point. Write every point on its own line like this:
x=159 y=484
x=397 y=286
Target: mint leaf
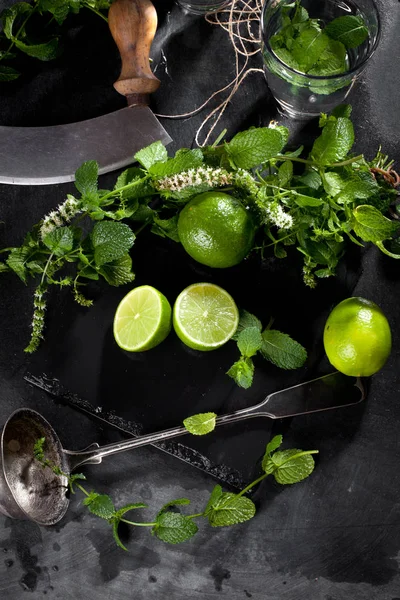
x=333 y=183
x=308 y=47
x=183 y=161
x=8 y=73
x=242 y=372
x=177 y=502
x=152 y=154
x=287 y=58
x=127 y=508
x=371 y=226
x=350 y=30
x=111 y=240
x=246 y=319
x=214 y=496
x=332 y=60
x=117 y=272
x=311 y=179
x=174 y=528
x=343 y=110
x=10 y=15
x=17 y=260
x=335 y=141
x=229 y=509
x=290 y=466
x=280 y=349
x=274 y=444
x=100 y=505
x=86 y=178
x=305 y=201
x=249 y=341
x=166 y=227
x=60 y=240
x=285 y=173
x=200 y=424
x=251 y=148
x=360 y=186
x=46 y=51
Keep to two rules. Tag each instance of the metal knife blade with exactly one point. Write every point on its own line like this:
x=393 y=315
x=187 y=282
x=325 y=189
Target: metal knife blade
x=46 y=155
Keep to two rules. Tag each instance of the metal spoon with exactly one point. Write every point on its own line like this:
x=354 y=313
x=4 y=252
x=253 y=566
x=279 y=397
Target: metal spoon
x=29 y=491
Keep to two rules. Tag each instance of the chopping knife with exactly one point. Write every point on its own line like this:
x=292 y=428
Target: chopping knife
x=45 y=155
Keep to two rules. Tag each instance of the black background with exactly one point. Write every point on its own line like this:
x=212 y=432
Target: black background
x=332 y=537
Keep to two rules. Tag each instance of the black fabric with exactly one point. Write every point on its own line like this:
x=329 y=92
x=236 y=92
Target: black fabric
x=335 y=536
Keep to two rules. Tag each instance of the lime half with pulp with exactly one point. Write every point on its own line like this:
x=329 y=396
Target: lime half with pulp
x=142 y=319
x=205 y=316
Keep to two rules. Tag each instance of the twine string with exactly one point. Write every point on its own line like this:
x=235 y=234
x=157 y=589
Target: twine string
x=242 y=23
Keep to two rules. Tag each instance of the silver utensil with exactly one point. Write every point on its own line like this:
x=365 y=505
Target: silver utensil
x=29 y=491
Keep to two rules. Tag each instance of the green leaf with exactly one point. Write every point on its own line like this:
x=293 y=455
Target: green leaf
x=280 y=349
x=332 y=60
x=201 y=423
x=251 y=148
x=335 y=141
x=229 y=509
x=174 y=528
x=46 y=51
x=350 y=30
x=289 y=467
x=111 y=240
x=127 y=508
x=152 y=154
x=10 y=15
x=86 y=178
x=308 y=48
x=242 y=372
x=249 y=341
x=333 y=183
x=287 y=58
x=117 y=272
x=171 y=503
x=311 y=179
x=273 y=444
x=214 y=496
x=343 y=110
x=100 y=505
x=285 y=173
x=167 y=228
x=371 y=226
x=246 y=319
x=306 y=201
x=183 y=161
x=17 y=261
x=8 y=73
x=60 y=240
x=360 y=186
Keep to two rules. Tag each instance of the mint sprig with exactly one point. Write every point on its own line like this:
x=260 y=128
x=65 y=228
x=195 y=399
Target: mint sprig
x=223 y=509
x=275 y=346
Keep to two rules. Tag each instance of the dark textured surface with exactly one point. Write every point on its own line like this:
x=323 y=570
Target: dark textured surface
x=335 y=536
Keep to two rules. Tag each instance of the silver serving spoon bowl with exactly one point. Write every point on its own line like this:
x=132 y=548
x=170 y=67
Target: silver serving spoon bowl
x=30 y=491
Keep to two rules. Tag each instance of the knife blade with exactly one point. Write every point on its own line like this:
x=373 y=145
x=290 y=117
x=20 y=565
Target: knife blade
x=48 y=155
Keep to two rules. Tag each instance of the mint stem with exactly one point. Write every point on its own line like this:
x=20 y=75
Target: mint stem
x=138 y=524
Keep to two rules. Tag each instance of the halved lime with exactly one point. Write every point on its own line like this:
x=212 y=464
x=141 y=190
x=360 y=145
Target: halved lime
x=142 y=319
x=205 y=316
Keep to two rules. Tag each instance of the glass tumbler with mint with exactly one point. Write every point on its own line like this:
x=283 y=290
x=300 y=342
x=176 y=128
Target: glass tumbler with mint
x=314 y=50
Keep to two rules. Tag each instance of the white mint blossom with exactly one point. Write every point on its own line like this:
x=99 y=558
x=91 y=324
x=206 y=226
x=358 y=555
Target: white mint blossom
x=277 y=216
x=194 y=177
x=62 y=215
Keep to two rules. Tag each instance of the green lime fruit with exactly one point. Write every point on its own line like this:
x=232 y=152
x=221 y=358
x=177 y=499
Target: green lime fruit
x=205 y=316
x=142 y=319
x=357 y=337
x=216 y=230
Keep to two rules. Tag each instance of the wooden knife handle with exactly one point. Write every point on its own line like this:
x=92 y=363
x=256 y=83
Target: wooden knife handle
x=133 y=24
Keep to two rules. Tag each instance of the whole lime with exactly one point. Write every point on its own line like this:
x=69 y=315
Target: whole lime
x=216 y=230
x=357 y=337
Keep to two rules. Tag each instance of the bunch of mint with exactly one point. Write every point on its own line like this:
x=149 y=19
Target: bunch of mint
x=304 y=45
x=222 y=509
x=18 y=35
